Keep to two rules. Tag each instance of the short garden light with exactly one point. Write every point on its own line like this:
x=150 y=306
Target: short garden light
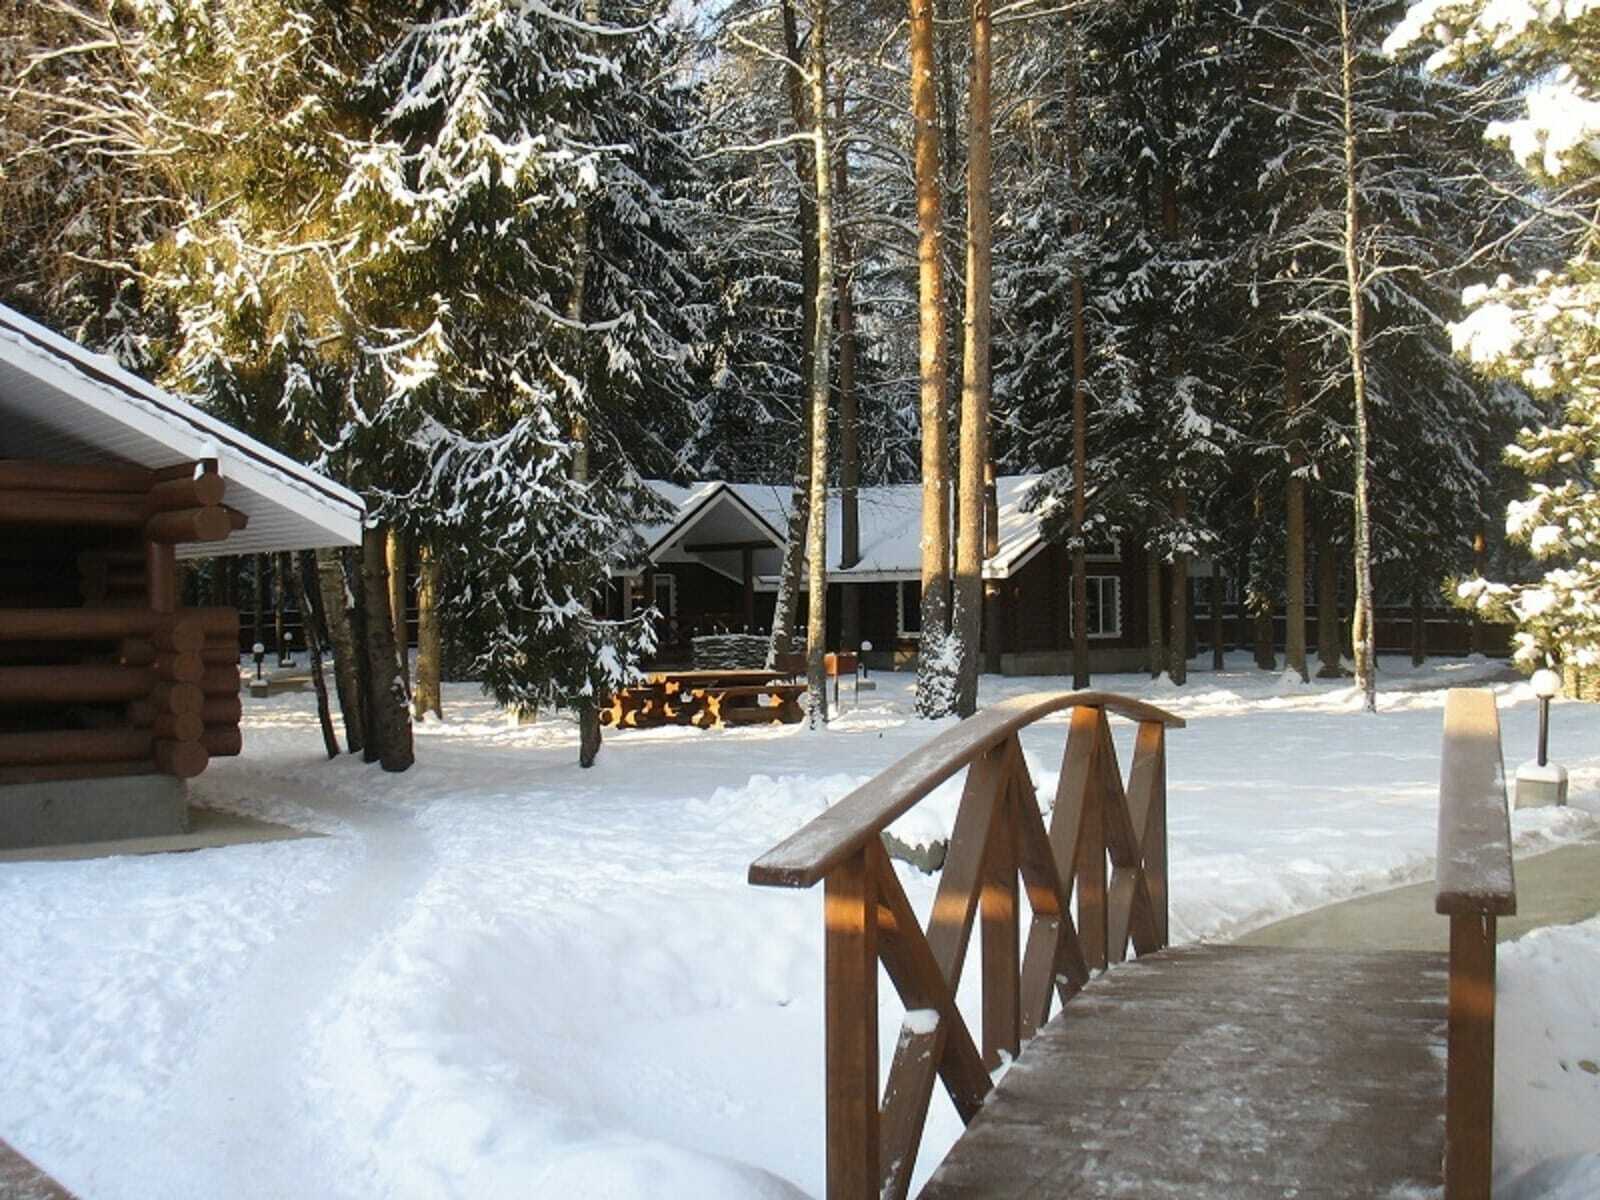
x=862 y=682
x=1542 y=781
x=259 y=686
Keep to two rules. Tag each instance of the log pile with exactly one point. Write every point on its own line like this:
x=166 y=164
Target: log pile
x=102 y=671
x=729 y=651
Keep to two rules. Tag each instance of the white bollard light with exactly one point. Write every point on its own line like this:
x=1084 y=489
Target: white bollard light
x=1542 y=782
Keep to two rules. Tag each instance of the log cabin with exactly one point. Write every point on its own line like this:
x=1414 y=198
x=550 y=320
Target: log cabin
x=113 y=694
x=713 y=565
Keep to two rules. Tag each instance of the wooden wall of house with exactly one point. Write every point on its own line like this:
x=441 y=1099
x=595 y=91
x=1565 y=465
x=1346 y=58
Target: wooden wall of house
x=1039 y=601
x=102 y=671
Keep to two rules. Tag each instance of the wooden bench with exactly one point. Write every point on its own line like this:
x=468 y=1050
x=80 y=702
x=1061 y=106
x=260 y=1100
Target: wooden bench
x=1207 y=1072
x=742 y=705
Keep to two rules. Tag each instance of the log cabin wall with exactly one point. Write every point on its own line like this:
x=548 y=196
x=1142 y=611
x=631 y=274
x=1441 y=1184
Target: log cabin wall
x=103 y=673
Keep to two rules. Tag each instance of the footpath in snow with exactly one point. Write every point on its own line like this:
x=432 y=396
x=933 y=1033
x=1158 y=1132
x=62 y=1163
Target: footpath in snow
x=498 y=975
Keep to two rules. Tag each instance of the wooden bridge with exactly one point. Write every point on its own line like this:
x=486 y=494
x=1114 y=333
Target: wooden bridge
x=1205 y=1071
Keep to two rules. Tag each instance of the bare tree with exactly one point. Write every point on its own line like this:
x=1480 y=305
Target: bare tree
x=934 y=690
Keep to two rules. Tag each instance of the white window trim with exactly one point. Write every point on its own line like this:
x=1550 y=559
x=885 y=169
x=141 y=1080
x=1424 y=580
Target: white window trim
x=1115 y=608
x=901 y=631
x=671 y=609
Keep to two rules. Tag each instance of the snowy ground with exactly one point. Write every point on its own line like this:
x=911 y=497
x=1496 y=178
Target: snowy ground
x=499 y=975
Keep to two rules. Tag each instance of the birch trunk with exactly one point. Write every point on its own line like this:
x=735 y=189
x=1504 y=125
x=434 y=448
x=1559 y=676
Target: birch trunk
x=817 y=538
x=336 y=614
x=1361 y=630
x=787 y=601
x=427 y=696
x=1294 y=502
x=975 y=370
x=934 y=691
x=849 y=402
x=398 y=554
x=312 y=627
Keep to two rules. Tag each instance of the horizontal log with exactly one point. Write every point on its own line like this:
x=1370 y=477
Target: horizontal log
x=74 y=746
x=178 y=727
x=220 y=654
x=136 y=652
x=189 y=525
x=217 y=621
x=114 y=510
x=222 y=741
x=179 y=668
x=185 y=470
x=239 y=520
x=220 y=681
x=221 y=710
x=111 y=556
x=32 y=475
x=174 y=698
x=183 y=634
x=204 y=491
x=77 y=684
x=182 y=759
x=51 y=772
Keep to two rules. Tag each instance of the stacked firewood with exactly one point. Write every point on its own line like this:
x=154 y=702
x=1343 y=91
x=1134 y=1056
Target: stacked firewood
x=729 y=651
x=118 y=679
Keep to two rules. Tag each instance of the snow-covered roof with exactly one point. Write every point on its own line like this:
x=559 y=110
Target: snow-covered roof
x=67 y=404
x=890 y=520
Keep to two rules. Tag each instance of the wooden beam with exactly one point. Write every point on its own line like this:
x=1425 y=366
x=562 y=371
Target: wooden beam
x=30 y=475
x=74 y=746
x=211 y=524
x=726 y=547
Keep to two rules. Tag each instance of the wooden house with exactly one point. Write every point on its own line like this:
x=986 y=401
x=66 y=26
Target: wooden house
x=713 y=567
x=112 y=693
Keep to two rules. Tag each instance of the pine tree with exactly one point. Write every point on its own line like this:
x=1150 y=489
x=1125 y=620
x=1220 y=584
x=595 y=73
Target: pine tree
x=1540 y=333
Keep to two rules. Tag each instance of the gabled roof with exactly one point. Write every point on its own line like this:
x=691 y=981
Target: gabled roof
x=890 y=521
x=63 y=403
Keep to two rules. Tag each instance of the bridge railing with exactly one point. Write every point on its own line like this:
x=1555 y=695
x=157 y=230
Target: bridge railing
x=999 y=839
x=1476 y=884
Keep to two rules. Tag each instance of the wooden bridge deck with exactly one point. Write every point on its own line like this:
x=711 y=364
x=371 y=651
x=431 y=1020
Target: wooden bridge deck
x=1223 y=1071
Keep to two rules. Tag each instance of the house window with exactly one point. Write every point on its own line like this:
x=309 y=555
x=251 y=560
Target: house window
x=664 y=594
x=1105 y=606
x=908 y=608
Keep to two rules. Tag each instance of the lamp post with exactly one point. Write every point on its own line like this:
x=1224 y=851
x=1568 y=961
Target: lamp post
x=862 y=682
x=1542 y=782
x=258 y=685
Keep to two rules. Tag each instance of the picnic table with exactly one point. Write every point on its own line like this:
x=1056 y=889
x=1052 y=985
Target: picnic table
x=704 y=698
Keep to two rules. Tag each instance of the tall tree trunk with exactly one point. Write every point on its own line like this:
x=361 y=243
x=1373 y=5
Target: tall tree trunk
x=428 y=694
x=1419 y=627
x=934 y=686
x=1329 y=665
x=336 y=616
x=1260 y=594
x=817 y=538
x=1218 y=652
x=975 y=369
x=1294 y=499
x=258 y=565
x=1080 y=381
x=352 y=564
x=787 y=602
x=311 y=626
x=849 y=401
x=398 y=555
x=1362 y=631
x=387 y=706
x=1178 y=641
x=1156 y=605
x=280 y=595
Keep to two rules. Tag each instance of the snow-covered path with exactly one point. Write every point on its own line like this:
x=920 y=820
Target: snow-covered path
x=500 y=975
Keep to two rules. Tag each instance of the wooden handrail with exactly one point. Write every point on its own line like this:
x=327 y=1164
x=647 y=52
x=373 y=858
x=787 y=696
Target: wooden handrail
x=1476 y=884
x=1474 y=866
x=1106 y=847
x=802 y=859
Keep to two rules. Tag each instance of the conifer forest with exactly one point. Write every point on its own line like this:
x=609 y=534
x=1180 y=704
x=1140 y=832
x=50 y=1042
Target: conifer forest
x=1297 y=296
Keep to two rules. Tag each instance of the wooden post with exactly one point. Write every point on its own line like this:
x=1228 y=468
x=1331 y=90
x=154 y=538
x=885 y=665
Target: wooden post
x=748 y=565
x=1093 y=927
x=850 y=905
x=161 y=576
x=1002 y=1012
x=1469 y=1078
